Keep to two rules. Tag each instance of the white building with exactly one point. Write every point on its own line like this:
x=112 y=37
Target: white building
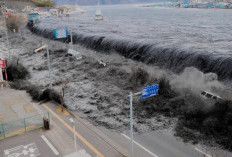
x=54 y=12
x=28 y=9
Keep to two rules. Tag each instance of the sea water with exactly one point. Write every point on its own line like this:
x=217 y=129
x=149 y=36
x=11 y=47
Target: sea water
x=174 y=38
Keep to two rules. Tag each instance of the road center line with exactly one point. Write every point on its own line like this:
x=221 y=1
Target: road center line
x=76 y=133
x=50 y=145
x=140 y=146
x=207 y=155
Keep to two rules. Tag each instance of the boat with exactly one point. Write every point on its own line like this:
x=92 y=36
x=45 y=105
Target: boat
x=98 y=14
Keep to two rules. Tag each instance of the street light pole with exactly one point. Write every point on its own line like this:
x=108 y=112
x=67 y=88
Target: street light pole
x=131 y=124
x=146 y=93
x=75 y=141
x=131 y=121
x=49 y=68
x=74 y=128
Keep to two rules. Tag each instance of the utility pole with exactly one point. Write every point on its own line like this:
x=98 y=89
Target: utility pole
x=71 y=38
x=6 y=31
x=49 y=68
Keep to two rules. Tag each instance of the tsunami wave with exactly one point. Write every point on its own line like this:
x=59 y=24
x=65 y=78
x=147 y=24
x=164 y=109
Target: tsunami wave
x=171 y=58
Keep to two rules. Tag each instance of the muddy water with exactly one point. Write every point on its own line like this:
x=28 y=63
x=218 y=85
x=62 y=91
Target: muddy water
x=169 y=37
x=100 y=93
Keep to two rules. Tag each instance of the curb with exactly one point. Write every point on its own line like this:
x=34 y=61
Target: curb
x=99 y=133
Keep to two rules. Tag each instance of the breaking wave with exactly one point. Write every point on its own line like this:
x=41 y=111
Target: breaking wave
x=171 y=58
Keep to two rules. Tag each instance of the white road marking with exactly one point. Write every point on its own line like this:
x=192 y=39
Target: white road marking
x=207 y=155
x=141 y=146
x=50 y=145
x=23 y=150
x=12 y=149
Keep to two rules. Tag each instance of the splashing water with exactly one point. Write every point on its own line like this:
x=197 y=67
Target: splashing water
x=170 y=38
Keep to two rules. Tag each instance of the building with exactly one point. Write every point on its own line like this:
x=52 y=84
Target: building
x=45 y=14
x=28 y=9
x=33 y=17
x=54 y=12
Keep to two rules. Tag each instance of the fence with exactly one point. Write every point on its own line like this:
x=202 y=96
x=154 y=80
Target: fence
x=23 y=125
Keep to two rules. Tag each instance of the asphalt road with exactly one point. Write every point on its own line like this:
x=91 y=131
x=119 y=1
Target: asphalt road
x=150 y=144
x=166 y=146
x=163 y=144
x=27 y=145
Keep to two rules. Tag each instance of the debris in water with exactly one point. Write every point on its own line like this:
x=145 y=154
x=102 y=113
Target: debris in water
x=74 y=53
x=102 y=63
x=41 y=49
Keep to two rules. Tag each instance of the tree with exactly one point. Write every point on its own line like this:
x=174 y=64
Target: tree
x=14 y=22
x=62 y=93
x=47 y=3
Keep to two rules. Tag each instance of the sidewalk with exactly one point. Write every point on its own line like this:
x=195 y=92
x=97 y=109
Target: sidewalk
x=15 y=105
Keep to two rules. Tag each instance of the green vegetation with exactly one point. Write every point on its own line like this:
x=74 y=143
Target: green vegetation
x=47 y=3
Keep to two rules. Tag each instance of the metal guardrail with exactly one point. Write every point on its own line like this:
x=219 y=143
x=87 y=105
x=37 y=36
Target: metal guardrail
x=20 y=126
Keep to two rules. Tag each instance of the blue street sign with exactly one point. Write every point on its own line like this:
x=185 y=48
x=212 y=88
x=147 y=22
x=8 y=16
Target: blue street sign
x=150 y=91
x=61 y=33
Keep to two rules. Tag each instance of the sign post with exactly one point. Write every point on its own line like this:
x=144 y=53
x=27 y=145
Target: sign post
x=61 y=33
x=150 y=91
x=71 y=38
x=146 y=93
